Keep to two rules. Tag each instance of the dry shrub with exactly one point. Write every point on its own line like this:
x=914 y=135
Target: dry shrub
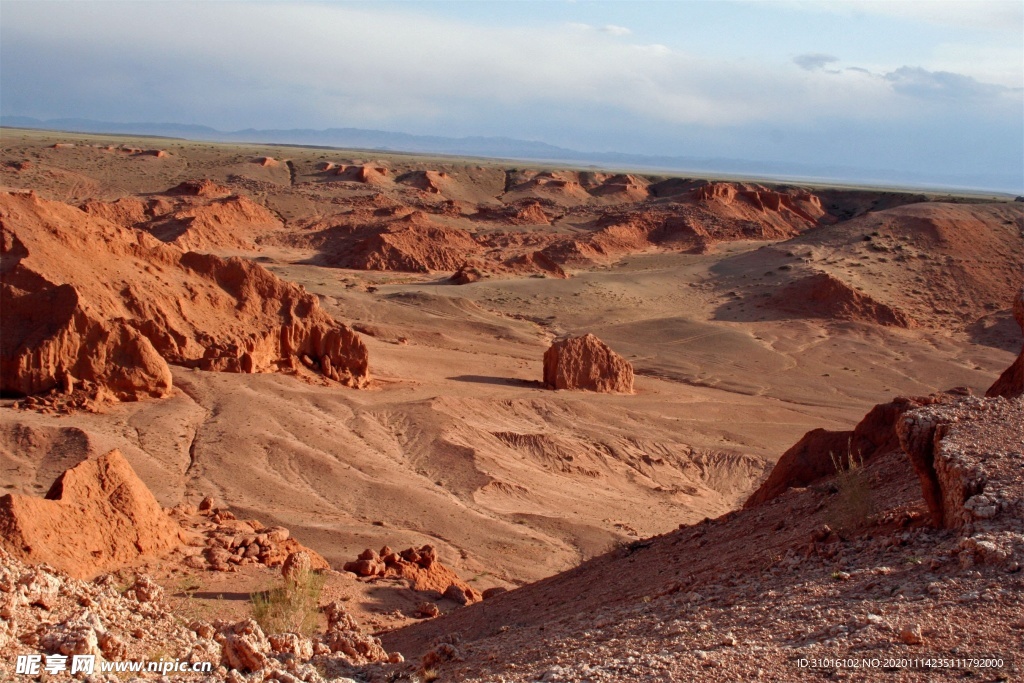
x=854 y=503
x=293 y=607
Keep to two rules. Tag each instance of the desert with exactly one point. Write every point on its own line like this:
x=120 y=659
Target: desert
x=465 y=419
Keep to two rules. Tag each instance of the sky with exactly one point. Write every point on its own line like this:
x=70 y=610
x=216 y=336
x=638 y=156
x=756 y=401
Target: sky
x=913 y=86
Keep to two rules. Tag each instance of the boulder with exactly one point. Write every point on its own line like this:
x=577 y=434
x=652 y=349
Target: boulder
x=296 y=564
x=586 y=363
x=244 y=646
x=419 y=566
x=466 y=274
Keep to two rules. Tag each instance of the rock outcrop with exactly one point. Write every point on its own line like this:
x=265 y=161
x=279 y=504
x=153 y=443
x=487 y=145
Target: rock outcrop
x=362 y=173
x=97 y=516
x=217 y=541
x=820 y=452
x=419 y=567
x=586 y=363
x=1011 y=382
x=966 y=454
x=467 y=274
x=413 y=244
x=118 y=318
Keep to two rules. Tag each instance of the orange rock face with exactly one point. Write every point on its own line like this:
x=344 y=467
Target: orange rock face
x=1011 y=382
x=97 y=516
x=586 y=363
x=118 y=318
x=816 y=455
x=413 y=244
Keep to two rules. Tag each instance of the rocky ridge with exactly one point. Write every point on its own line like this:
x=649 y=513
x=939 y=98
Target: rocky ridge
x=117 y=319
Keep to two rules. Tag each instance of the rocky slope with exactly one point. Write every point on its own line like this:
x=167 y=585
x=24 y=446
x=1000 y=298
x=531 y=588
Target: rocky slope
x=785 y=589
x=47 y=613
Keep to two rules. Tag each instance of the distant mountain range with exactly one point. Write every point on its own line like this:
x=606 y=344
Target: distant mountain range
x=522 y=150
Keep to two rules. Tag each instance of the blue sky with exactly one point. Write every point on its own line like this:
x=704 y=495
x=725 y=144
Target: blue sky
x=911 y=86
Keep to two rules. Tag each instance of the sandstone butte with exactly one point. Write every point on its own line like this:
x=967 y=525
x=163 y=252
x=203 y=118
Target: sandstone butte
x=98 y=516
x=118 y=318
x=586 y=363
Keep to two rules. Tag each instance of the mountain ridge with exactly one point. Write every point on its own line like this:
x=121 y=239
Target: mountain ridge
x=503 y=147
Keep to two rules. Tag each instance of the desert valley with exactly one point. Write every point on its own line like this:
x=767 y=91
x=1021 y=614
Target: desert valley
x=793 y=439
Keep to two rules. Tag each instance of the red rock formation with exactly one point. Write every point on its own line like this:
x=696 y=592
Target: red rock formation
x=536 y=261
x=420 y=567
x=117 y=318
x=127 y=211
x=412 y=244
x=801 y=204
x=362 y=173
x=956 y=449
x=559 y=187
x=52 y=338
x=199 y=188
x=808 y=460
x=1011 y=382
x=221 y=543
x=524 y=213
x=817 y=453
x=586 y=363
x=466 y=274
x=530 y=214
x=623 y=186
x=224 y=223
x=823 y=296
x=97 y=516
x=431 y=182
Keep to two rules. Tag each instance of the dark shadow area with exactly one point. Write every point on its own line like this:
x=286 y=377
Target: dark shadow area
x=504 y=381
x=998 y=330
x=210 y=595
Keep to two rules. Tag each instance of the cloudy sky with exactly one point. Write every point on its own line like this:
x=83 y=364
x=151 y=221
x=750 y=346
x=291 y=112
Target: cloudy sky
x=908 y=85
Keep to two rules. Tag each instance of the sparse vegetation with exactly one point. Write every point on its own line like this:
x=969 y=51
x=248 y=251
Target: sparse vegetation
x=292 y=607
x=188 y=585
x=853 y=505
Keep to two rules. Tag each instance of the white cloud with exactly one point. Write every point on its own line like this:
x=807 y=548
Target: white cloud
x=346 y=64
x=992 y=15
x=614 y=30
